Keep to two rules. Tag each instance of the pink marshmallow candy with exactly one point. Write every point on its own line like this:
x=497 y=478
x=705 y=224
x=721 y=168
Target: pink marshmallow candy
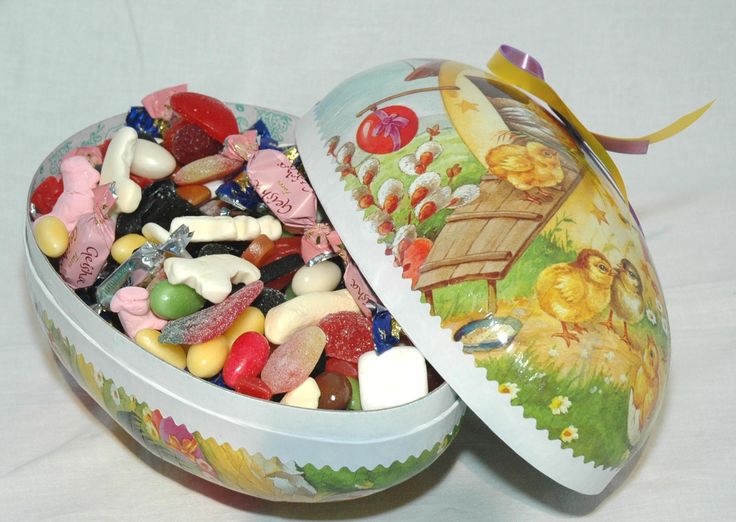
x=79 y=179
x=133 y=309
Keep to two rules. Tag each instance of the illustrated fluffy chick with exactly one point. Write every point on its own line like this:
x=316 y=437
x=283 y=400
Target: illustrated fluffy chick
x=626 y=297
x=527 y=167
x=575 y=292
x=645 y=389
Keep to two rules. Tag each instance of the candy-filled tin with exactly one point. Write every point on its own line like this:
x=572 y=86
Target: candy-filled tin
x=505 y=251
x=253 y=446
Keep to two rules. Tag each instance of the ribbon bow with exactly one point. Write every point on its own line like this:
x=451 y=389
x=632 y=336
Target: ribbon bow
x=389 y=125
x=522 y=70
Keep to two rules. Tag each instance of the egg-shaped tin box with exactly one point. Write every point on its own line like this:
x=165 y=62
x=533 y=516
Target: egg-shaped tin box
x=504 y=251
x=261 y=448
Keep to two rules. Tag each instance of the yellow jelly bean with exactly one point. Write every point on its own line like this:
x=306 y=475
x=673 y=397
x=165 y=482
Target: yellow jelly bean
x=251 y=320
x=171 y=353
x=124 y=246
x=51 y=236
x=207 y=359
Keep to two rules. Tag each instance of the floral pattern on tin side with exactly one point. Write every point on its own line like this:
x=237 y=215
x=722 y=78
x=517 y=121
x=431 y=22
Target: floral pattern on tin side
x=220 y=463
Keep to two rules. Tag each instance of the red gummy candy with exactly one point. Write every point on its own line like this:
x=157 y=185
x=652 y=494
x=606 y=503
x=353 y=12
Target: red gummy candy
x=254 y=387
x=348 y=335
x=285 y=246
x=103 y=147
x=207 y=324
x=346 y=368
x=247 y=357
x=187 y=142
x=209 y=113
x=45 y=196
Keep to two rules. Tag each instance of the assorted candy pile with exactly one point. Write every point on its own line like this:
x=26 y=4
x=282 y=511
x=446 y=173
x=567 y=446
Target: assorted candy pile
x=206 y=246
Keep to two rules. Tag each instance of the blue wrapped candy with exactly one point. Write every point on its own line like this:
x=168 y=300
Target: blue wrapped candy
x=146 y=126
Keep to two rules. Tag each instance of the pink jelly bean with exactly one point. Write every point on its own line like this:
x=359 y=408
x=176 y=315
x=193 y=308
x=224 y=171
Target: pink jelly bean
x=133 y=309
x=79 y=179
x=247 y=357
x=291 y=363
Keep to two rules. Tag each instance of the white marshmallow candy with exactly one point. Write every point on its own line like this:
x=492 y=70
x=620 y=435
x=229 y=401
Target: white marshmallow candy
x=397 y=376
x=306 y=395
x=212 y=276
x=305 y=310
x=155 y=232
x=227 y=228
x=152 y=161
x=321 y=277
x=116 y=169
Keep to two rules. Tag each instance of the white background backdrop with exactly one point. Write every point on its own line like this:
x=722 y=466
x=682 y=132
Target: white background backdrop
x=626 y=68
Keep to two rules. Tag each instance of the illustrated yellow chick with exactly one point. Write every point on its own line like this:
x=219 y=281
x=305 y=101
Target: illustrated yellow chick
x=645 y=389
x=626 y=297
x=527 y=167
x=575 y=292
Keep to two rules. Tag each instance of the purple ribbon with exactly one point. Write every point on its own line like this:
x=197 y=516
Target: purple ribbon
x=389 y=126
x=522 y=60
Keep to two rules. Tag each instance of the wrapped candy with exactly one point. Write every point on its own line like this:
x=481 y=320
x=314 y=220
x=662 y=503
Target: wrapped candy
x=90 y=242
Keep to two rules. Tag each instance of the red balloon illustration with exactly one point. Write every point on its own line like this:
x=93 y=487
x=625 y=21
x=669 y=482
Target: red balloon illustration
x=387 y=129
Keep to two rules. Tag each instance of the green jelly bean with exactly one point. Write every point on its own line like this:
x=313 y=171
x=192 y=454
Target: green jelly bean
x=354 y=403
x=174 y=301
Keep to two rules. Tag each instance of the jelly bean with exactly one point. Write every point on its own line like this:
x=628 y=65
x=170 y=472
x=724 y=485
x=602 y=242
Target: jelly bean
x=213 y=321
x=172 y=301
x=209 y=113
x=294 y=360
x=354 y=403
x=254 y=387
x=348 y=335
x=131 y=303
x=258 y=249
x=247 y=357
x=188 y=143
x=207 y=359
x=321 y=277
x=305 y=310
x=194 y=194
x=396 y=377
x=335 y=391
x=251 y=320
x=45 y=195
x=116 y=168
x=268 y=299
x=124 y=246
x=206 y=169
x=211 y=276
x=152 y=161
x=51 y=236
x=348 y=369
x=306 y=395
x=148 y=339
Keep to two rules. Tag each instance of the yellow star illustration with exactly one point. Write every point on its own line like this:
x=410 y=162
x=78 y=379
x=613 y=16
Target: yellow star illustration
x=599 y=214
x=465 y=106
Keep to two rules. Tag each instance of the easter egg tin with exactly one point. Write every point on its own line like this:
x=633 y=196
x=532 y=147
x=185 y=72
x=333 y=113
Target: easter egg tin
x=253 y=446
x=504 y=249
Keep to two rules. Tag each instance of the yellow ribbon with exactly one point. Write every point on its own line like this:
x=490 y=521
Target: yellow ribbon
x=510 y=73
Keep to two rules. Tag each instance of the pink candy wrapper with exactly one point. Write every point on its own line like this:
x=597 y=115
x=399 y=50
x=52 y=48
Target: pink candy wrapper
x=282 y=187
x=241 y=146
x=316 y=243
x=90 y=242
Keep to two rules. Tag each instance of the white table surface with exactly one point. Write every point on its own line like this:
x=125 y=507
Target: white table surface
x=624 y=68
